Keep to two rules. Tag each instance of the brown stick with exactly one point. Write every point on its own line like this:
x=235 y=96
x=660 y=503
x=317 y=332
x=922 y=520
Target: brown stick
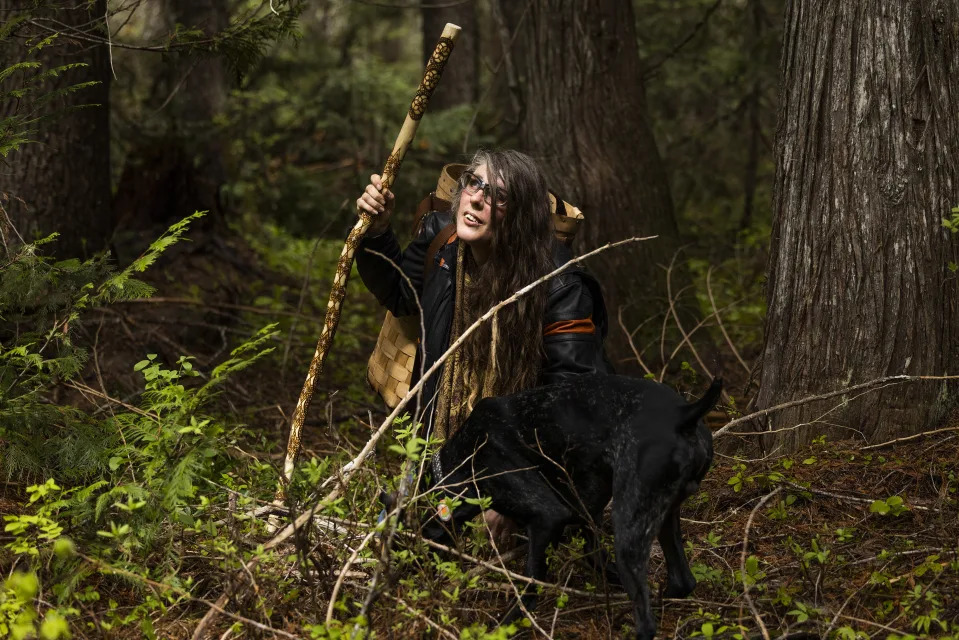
x=742 y=562
x=345 y=473
x=434 y=69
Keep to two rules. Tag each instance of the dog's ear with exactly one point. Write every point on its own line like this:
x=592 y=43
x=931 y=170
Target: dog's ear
x=695 y=411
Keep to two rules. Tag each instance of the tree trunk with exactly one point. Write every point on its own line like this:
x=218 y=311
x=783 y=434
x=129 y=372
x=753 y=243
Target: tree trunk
x=61 y=181
x=169 y=176
x=586 y=122
x=460 y=83
x=867 y=148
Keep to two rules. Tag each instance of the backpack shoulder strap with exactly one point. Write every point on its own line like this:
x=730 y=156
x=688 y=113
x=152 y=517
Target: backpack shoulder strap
x=432 y=202
x=441 y=239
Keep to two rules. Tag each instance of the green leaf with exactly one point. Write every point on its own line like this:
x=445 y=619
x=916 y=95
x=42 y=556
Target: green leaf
x=54 y=626
x=879 y=506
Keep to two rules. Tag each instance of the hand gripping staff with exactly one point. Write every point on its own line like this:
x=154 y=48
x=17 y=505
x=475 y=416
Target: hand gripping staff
x=434 y=69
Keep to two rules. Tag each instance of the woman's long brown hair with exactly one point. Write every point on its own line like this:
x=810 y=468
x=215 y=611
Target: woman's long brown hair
x=520 y=252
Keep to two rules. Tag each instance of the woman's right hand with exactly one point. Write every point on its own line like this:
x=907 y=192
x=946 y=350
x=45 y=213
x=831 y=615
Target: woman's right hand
x=378 y=203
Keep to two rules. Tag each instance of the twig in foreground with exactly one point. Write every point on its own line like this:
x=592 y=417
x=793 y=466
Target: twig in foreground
x=742 y=562
x=347 y=471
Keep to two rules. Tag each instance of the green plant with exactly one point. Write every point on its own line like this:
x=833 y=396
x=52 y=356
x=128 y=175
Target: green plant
x=18 y=615
x=845 y=534
x=31 y=531
x=22 y=85
x=893 y=505
x=753 y=575
x=803 y=612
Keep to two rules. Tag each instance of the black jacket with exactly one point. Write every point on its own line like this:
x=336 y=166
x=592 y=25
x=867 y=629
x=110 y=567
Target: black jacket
x=575 y=323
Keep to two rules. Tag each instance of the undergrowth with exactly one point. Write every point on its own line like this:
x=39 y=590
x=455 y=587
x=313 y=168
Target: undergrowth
x=128 y=512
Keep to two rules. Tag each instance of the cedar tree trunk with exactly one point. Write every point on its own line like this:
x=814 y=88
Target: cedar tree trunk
x=586 y=122
x=867 y=149
x=61 y=181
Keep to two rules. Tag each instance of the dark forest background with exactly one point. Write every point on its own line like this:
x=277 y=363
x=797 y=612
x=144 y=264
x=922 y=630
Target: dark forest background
x=797 y=163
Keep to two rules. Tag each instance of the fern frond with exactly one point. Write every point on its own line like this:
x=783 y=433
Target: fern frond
x=112 y=289
x=19 y=66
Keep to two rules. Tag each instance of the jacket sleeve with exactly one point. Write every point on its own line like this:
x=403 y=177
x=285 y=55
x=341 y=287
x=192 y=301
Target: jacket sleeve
x=383 y=279
x=574 y=329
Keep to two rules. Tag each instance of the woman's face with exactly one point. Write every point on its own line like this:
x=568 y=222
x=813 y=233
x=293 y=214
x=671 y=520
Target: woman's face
x=474 y=215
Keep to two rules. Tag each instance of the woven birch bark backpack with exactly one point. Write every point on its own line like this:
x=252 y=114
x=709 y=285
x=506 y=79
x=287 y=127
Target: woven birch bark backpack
x=390 y=368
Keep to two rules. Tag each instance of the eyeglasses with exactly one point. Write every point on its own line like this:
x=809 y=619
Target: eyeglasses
x=473 y=184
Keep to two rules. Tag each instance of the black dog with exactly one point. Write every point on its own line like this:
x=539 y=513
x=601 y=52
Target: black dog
x=555 y=455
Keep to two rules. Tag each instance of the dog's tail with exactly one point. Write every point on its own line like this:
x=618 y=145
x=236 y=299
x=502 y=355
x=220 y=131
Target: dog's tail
x=695 y=411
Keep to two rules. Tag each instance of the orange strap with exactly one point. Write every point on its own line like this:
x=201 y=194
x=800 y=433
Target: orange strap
x=570 y=326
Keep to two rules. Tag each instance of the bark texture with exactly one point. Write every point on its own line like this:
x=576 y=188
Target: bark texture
x=586 y=123
x=867 y=148
x=460 y=83
x=61 y=182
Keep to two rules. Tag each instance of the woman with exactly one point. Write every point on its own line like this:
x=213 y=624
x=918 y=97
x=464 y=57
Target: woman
x=503 y=240
x=555 y=331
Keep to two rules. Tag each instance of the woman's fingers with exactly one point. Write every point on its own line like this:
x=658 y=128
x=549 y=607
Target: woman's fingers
x=373 y=201
x=377 y=202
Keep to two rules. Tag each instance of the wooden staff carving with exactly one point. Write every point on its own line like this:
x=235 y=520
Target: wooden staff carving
x=434 y=69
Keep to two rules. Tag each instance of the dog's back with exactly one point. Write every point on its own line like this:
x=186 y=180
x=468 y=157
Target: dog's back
x=555 y=455
x=577 y=433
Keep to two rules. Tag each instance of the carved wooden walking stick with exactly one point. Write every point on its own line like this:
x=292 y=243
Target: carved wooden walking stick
x=431 y=78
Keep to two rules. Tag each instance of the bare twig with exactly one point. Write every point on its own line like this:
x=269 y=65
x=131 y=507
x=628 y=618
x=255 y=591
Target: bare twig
x=444 y=632
x=682 y=43
x=839 y=496
x=679 y=324
x=107 y=569
x=742 y=562
x=517 y=576
x=632 y=345
x=719 y=321
x=908 y=438
x=103 y=388
x=831 y=394
x=345 y=473
x=343 y=572
x=106 y=23
x=82 y=388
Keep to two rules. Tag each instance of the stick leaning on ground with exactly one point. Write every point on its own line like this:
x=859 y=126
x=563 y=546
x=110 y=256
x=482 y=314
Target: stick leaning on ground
x=431 y=78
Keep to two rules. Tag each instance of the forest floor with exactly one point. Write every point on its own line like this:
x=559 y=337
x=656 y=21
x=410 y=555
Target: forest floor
x=835 y=540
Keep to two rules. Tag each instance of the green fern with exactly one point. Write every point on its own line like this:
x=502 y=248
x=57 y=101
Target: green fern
x=22 y=84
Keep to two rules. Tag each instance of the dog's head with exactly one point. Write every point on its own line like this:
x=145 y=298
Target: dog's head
x=437 y=522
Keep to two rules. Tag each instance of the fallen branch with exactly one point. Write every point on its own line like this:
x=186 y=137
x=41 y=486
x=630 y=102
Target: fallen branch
x=839 y=496
x=346 y=473
x=908 y=438
x=825 y=396
x=742 y=562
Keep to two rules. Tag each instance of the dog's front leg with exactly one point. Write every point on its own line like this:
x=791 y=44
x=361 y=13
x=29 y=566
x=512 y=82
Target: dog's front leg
x=540 y=537
x=638 y=514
